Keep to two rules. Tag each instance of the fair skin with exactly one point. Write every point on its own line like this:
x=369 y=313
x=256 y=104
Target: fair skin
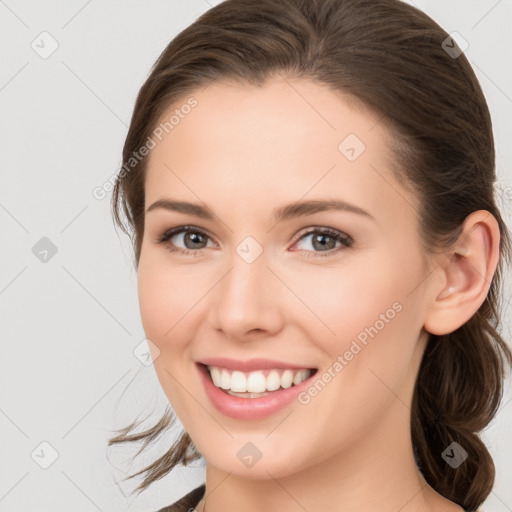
x=244 y=151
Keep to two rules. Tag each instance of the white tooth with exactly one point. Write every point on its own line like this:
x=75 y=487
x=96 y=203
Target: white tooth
x=215 y=374
x=225 y=379
x=238 y=382
x=287 y=379
x=273 y=380
x=300 y=376
x=256 y=383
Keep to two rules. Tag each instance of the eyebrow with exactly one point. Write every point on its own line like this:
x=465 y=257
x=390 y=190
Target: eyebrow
x=286 y=212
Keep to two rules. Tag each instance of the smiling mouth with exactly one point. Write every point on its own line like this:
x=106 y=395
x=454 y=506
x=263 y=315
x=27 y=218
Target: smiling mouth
x=259 y=383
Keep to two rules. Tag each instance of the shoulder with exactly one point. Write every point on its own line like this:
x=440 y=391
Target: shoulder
x=187 y=502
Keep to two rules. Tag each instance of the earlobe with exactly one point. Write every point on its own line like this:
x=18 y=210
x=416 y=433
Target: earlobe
x=467 y=269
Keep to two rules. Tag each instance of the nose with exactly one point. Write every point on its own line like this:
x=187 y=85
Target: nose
x=248 y=300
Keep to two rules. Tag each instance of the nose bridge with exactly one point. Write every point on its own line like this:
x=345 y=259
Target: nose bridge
x=246 y=297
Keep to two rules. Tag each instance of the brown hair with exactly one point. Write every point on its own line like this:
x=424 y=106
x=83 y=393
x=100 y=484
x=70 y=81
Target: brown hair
x=390 y=56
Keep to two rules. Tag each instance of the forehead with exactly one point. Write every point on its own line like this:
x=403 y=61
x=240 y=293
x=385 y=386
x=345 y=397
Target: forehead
x=290 y=138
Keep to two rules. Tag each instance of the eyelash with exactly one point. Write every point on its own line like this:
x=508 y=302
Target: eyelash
x=339 y=236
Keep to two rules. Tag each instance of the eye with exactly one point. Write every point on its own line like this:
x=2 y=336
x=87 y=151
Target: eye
x=193 y=237
x=325 y=240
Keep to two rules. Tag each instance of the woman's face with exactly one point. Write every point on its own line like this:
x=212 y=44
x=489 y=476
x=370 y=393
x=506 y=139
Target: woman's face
x=281 y=292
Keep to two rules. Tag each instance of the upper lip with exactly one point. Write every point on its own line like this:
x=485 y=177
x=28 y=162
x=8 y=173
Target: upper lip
x=250 y=364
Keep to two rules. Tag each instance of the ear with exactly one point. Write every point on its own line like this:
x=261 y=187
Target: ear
x=465 y=272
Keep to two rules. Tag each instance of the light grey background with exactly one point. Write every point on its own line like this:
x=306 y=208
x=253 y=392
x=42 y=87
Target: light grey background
x=70 y=325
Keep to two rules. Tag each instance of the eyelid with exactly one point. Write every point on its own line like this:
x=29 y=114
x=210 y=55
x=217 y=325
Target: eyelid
x=169 y=233
x=336 y=233
x=346 y=240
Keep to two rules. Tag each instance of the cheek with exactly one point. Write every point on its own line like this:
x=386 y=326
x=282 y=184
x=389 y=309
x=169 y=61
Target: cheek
x=332 y=302
x=374 y=322
x=153 y=304
x=164 y=300
x=343 y=302
x=377 y=321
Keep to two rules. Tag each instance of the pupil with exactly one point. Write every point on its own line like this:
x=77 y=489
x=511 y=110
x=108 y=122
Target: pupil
x=323 y=245
x=195 y=237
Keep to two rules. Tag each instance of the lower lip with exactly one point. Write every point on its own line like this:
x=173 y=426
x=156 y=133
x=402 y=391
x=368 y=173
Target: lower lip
x=249 y=408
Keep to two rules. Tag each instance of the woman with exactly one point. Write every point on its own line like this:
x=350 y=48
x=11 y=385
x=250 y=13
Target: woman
x=309 y=185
